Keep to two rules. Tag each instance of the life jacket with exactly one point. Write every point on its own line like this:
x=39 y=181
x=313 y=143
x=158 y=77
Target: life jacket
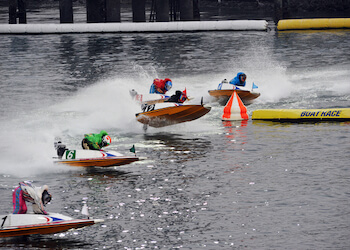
x=34 y=195
x=95 y=140
x=159 y=83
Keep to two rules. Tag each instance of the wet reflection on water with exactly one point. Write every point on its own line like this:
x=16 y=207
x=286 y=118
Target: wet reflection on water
x=43 y=241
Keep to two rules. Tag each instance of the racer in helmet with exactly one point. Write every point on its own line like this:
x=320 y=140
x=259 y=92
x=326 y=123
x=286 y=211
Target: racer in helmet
x=239 y=80
x=160 y=86
x=26 y=192
x=179 y=97
x=96 y=141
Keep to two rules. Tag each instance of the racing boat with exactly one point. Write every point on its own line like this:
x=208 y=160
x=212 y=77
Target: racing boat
x=170 y=113
x=94 y=158
x=28 y=224
x=224 y=92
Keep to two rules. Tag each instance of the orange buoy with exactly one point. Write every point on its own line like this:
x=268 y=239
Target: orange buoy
x=235 y=109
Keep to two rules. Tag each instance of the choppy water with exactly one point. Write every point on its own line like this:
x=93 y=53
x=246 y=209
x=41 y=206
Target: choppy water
x=206 y=184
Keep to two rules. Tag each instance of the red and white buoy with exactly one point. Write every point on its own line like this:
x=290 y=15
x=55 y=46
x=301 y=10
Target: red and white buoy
x=235 y=109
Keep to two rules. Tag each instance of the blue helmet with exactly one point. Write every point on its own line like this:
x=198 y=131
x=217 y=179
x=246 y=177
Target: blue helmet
x=242 y=76
x=168 y=85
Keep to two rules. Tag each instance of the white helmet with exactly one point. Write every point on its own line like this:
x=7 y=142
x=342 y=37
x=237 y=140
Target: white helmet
x=107 y=140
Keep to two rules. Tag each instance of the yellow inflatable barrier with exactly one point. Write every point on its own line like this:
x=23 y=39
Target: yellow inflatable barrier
x=315 y=23
x=302 y=115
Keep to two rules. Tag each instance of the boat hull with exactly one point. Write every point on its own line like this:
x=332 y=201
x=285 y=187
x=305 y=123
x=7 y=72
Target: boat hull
x=28 y=224
x=94 y=158
x=102 y=162
x=172 y=115
x=223 y=95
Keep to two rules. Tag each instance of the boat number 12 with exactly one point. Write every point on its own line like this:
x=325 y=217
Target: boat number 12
x=146 y=107
x=70 y=154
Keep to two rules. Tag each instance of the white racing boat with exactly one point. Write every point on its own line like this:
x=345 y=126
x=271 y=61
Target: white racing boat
x=94 y=158
x=28 y=224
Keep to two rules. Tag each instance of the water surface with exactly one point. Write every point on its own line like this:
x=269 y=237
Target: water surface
x=207 y=183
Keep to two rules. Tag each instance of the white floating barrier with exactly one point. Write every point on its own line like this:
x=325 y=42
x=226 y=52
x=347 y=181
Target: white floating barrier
x=233 y=25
